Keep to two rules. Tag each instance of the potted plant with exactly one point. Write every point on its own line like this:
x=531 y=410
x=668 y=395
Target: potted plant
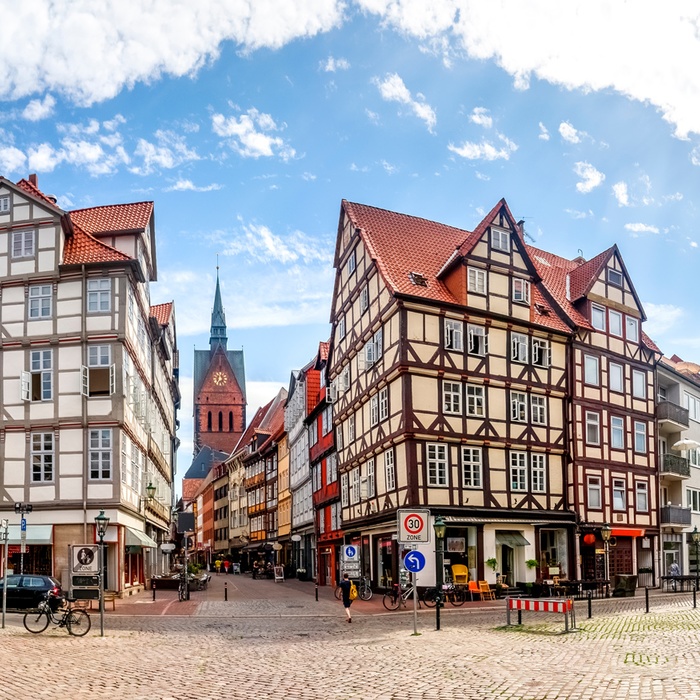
x=301 y=574
x=532 y=563
x=492 y=563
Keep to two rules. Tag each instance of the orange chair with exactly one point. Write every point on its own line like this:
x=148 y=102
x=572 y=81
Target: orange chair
x=460 y=574
x=486 y=592
x=474 y=589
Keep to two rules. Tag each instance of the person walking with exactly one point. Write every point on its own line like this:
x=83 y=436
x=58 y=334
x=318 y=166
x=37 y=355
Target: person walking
x=217 y=566
x=346 y=585
x=674 y=570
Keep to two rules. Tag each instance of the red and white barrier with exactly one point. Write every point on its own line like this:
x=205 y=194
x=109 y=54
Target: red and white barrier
x=562 y=606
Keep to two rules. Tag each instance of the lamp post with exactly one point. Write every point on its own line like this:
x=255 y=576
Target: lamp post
x=605 y=533
x=440 y=529
x=696 y=541
x=5 y=525
x=101 y=524
x=21 y=509
x=150 y=495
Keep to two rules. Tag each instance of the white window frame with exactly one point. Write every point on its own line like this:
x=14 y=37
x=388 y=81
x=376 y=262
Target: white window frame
x=693 y=496
x=341 y=327
x=23 y=244
x=5 y=204
x=390 y=470
x=476 y=281
x=616 y=327
x=42 y=457
x=598 y=317
x=541 y=352
x=471 y=467
x=538 y=473
x=37 y=383
x=374 y=410
x=454 y=334
x=475 y=401
x=352 y=261
x=452 y=397
x=384 y=403
x=692 y=403
x=616 y=372
x=436 y=463
x=518 y=406
x=591 y=370
x=344 y=490
x=538 y=409
x=518 y=347
x=619 y=494
x=40 y=302
x=100 y=454
x=594 y=488
x=615 y=283
x=351 y=428
x=639 y=384
x=617 y=433
x=100 y=359
x=99 y=295
x=500 y=240
x=521 y=291
x=355 y=480
x=345 y=378
x=641 y=496
x=592 y=423
x=518 y=471
x=640 y=437
x=478 y=340
x=364 y=299
x=371 y=478
x=631 y=329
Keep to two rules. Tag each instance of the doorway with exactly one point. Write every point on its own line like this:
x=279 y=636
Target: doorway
x=507 y=565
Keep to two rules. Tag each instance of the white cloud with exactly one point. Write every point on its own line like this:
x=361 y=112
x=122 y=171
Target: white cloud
x=641 y=228
x=591 y=178
x=358 y=169
x=695 y=156
x=485 y=150
x=331 y=65
x=372 y=116
x=675 y=197
x=575 y=214
x=309 y=177
x=661 y=318
x=621 y=194
x=187 y=185
x=481 y=176
x=480 y=116
x=569 y=133
x=169 y=151
x=12 y=160
x=388 y=167
x=640 y=50
x=393 y=89
x=38 y=109
x=251 y=135
x=544 y=134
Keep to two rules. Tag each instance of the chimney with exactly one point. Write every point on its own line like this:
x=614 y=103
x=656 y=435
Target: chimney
x=33 y=180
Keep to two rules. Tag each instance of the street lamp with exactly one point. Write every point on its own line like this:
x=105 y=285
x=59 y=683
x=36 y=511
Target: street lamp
x=101 y=524
x=696 y=541
x=150 y=495
x=440 y=529
x=605 y=533
x=5 y=532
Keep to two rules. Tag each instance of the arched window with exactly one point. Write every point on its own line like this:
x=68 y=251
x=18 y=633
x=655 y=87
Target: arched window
x=230 y=421
x=221 y=421
x=209 y=421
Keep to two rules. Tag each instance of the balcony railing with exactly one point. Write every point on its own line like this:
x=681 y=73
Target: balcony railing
x=673 y=464
x=675 y=515
x=667 y=411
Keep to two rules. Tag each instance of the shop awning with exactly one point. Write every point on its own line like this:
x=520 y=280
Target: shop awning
x=627 y=532
x=36 y=534
x=135 y=538
x=511 y=539
x=476 y=520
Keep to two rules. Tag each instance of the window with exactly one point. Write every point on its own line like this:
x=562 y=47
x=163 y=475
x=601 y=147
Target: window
x=99 y=295
x=355 y=485
x=641 y=489
x=332 y=468
x=592 y=428
x=125 y=464
x=389 y=470
x=23 y=244
x=452 y=397
x=500 y=240
x=344 y=490
x=591 y=365
x=538 y=410
x=478 y=340
x=384 y=403
x=42 y=456
x=339 y=437
x=518 y=471
x=371 y=481
x=4 y=204
x=437 y=464
x=619 y=500
x=617 y=433
x=518 y=406
x=351 y=428
x=471 y=467
x=313 y=433
x=694 y=500
x=632 y=329
x=40 y=301
x=374 y=410
x=692 y=403
x=521 y=291
x=101 y=454
x=453 y=335
x=341 y=327
x=639 y=384
x=538 y=473
x=615 y=319
x=378 y=342
x=98 y=376
x=364 y=299
x=594 y=492
x=615 y=377
x=131 y=306
x=352 y=261
x=476 y=280
x=615 y=277
x=37 y=384
x=518 y=347
x=598 y=317
x=541 y=353
x=640 y=436
x=475 y=400
x=327 y=419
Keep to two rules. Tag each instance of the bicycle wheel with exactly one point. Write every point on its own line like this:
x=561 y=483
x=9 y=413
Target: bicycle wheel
x=366 y=593
x=430 y=597
x=339 y=592
x=78 y=623
x=458 y=597
x=391 y=601
x=36 y=622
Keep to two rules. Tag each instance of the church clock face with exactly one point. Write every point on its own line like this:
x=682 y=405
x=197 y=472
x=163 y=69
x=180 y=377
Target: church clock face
x=220 y=378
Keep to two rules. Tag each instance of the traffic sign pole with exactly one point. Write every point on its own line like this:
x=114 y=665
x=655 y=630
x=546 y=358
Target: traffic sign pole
x=414 y=562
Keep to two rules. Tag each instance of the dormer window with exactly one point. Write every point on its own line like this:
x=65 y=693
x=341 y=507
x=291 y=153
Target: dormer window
x=615 y=278
x=521 y=291
x=418 y=279
x=500 y=239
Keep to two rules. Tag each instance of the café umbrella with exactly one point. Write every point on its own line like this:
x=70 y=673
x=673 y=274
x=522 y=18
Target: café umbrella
x=685 y=444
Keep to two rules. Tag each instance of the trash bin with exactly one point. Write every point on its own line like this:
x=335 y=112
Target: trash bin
x=624 y=585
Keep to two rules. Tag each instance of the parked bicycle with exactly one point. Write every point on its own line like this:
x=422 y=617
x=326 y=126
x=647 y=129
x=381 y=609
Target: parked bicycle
x=397 y=597
x=455 y=595
x=77 y=622
x=364 y=590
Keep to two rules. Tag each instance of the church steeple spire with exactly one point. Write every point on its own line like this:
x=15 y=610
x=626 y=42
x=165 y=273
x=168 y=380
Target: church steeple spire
x=218 y=319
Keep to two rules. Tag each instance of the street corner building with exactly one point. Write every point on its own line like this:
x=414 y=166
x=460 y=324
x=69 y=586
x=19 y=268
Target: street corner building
x=89 y=388
x=508 y=390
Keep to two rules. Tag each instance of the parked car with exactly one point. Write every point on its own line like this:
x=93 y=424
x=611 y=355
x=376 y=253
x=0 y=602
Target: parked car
x=28 y=590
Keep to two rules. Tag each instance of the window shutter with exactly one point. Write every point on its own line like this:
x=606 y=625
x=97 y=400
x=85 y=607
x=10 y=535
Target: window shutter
x=25 y=384
x=85 y=380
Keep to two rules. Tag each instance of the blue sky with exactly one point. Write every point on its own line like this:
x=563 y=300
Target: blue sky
x=248 y=122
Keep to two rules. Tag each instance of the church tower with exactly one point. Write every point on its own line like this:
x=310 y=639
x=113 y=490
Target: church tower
x=219 y=387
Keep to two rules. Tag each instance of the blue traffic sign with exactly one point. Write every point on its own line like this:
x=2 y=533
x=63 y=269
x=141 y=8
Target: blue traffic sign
x=23 y=525
x=414 y=561
x=350 y=552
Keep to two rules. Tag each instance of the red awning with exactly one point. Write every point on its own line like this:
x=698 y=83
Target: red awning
x=627 y=532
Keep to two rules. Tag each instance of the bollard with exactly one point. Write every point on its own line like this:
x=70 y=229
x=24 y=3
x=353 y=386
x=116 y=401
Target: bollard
x=695 y=599
x=520 y=617
x=646 y=596
x=316 y=592
x=590 y=604
x=153 y=586
x=226 y=591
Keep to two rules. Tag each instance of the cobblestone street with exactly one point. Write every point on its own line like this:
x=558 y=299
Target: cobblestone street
x=276 y=640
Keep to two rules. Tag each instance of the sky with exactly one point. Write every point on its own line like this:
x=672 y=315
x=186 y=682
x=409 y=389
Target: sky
x=248 y=121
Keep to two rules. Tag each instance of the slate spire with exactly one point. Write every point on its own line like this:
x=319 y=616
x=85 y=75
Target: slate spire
x=218 y=319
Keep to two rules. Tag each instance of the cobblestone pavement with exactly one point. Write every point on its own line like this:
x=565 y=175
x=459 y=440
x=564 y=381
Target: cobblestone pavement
x=276 y=641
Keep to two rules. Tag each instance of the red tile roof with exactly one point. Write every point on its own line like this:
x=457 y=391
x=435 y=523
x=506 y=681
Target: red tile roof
x=583 y=276
x=323 y=350
x=29 y=188
x=114 y=217
x=162 y=312
x=83 y=248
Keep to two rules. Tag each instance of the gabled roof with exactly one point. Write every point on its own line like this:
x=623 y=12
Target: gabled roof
x=584 y=276
x=162 y=312
x=273 y=420
x=114 y=217
x=82 y=248
x=203 y=462
x=32 y=189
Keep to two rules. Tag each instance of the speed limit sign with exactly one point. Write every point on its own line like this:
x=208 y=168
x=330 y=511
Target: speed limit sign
x=413 y=525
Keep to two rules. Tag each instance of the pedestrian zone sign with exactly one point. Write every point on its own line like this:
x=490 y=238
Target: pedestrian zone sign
x=351 y=553
x=85 y=559
x=413 y=525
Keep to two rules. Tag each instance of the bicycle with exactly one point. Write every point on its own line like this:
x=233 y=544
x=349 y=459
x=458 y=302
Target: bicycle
x=364 y=590
x=77 y=622
x=395 y=597
x=455 y=595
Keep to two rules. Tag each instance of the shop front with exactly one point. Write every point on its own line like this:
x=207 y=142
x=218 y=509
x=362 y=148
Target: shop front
x=34 y=554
